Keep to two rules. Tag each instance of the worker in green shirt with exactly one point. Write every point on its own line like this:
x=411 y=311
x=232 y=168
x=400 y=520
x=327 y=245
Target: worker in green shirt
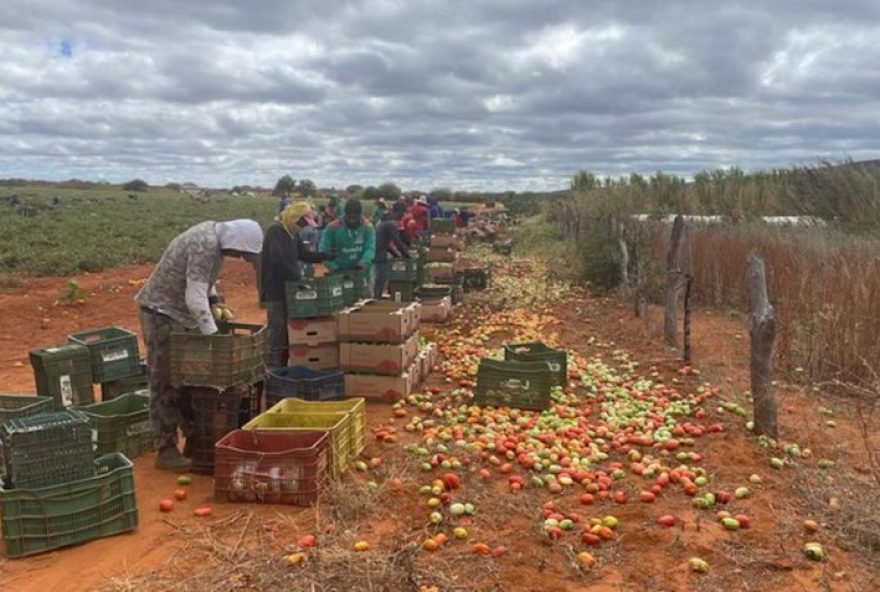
x=351 y=238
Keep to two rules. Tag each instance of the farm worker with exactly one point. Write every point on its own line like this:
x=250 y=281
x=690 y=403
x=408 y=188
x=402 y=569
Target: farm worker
x=434 y=207
x=388 y=242
x=416 y=221
x=352 y=238
x=381 y=210
x=309 y=230
x=331 y=213
x=283 y=249
x=283 y=203
x=176 y=297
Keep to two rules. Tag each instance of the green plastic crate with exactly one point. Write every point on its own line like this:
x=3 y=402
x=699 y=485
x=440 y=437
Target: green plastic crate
x=474 y=278
x=121 y=425
x=236 y=356
x=355 y=285
x=442 y=226
x=15 y=406
x=114 y=388
x=453 y=289
x=403 y=270
x=405 y=290
x=502 y=248
x=47 y=449
x=64 y=373
x=314 y=297
x=113 y=352
x=557 y=360
x=38 y=520
x=521 y=385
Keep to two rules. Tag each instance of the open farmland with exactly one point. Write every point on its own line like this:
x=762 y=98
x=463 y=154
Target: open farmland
x=633 y=420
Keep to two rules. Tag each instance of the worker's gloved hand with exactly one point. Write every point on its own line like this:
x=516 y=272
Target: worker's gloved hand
x=222 y=312
x=359 y=267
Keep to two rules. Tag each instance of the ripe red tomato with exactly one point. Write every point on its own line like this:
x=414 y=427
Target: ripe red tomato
x=667 y=520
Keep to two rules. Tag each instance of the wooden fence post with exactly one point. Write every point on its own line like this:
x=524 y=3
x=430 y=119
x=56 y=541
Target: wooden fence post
x=763 y=332
x=640 y=302
x=689 y=280
x=688 y=291
x=673 y=279
x=618 y=232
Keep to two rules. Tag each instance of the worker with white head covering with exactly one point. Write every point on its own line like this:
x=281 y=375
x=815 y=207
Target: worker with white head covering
x=176 y=297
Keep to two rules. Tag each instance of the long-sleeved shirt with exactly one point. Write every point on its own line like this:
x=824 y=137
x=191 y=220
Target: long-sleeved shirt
x=179 y=285
x=352 y=246
x=387 y=235
x=279 y=261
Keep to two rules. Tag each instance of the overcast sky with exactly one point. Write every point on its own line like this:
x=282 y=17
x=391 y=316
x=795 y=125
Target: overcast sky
x=476 y=94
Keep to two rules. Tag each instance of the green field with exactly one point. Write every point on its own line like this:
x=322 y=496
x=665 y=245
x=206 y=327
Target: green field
x=93 y=229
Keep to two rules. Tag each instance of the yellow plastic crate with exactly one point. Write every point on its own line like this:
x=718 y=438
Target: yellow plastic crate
x=337 y=423
x=355 y=407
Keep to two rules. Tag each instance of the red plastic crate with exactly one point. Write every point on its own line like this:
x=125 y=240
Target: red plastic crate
x=271 y=467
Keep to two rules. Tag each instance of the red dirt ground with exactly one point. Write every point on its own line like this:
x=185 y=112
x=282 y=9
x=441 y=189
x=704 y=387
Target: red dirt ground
x=644 y=559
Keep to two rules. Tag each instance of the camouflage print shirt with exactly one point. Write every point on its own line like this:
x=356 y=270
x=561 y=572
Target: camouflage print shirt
x=193 y=260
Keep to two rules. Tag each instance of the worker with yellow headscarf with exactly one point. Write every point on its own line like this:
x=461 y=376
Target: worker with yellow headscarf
x=283 y=250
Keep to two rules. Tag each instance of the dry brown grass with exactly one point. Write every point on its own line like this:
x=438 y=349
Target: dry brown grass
x=824 y=287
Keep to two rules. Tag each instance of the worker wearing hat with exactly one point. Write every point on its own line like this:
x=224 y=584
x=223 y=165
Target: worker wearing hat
x=177 y=297
x=283 y=250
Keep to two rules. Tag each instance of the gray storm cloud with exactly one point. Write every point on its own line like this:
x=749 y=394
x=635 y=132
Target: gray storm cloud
x=477 y=95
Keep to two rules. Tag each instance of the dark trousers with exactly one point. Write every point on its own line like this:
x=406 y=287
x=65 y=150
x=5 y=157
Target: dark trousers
x=167 y=405
x=380 y=271
x=276 y=322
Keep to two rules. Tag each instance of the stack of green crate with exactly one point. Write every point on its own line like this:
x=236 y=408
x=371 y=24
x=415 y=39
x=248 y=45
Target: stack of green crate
x=40 y=519
x=404 y=276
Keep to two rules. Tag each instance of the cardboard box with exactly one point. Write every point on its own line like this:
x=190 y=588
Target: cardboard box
x=311 y=331
x=445 y=241
x=378 y=321
x=415 y=371
x=438 y=272
x=433 y=354
x=373 y=387
x=424 y=363
x=413 y=309
x=436 y=310
x=378 y=358
x=315 y=357
x=436 y=254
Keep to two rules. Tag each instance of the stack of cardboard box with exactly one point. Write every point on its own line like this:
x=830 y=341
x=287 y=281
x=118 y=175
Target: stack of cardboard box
x=442 y=258
x=313 y=343
x=378 y=349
